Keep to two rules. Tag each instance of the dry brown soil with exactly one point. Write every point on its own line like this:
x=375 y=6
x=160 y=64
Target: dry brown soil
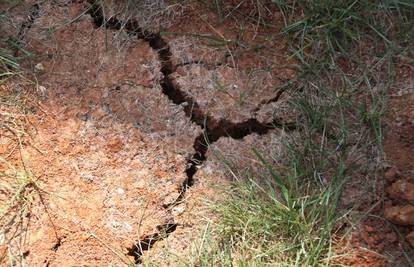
x=119 y=118
x=116 y=145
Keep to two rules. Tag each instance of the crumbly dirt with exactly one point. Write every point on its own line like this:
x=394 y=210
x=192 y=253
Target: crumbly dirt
x=110 y=148
x=196 y=218
x=398 y=146
x=109 y=152
x=389 y=230
x=237 y=71
x=228 y=93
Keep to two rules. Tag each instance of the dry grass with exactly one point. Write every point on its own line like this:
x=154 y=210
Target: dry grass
x=18 y=187
x=150 y=15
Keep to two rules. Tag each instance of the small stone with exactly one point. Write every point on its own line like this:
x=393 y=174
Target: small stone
x=84 y=117
x=39 y=67
x=369 y=229
x=178 y=210
x=120 y=191
x=106 y=109
x=401 y=189
x=115 y=145
x=180 y=71
x=170 y=199
x=368 y=239
x=87 y=176
x=127 y=227
x=115 y=225
x=401 y=215
x=141 y=183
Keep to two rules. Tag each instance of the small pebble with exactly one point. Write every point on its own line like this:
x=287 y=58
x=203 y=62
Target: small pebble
x=120 y=191
x=39 y=67
x=178 y=210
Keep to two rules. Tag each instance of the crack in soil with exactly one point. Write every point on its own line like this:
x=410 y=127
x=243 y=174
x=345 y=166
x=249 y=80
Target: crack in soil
x=26 y=25
x=58 y=243
x=274 y=99
x=224 y=128
x=213 y=129
x=149 y=240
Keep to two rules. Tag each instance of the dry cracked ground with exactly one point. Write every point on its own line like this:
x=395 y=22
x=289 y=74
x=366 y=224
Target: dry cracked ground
x=117 y=148
x=122 y=140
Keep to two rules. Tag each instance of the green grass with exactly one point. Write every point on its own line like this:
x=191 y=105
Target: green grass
x=8 y=66
x=285 y=215
x=260 y=227
x=336 y=28
x=290 y=214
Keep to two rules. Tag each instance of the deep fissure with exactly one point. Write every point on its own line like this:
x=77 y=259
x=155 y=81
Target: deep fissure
x=58 y=243
x=148 y=241
x=26 y=25
x=213 y=129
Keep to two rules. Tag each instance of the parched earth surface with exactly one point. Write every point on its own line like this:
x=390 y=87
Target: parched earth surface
x=128 y=126
x=123 y=119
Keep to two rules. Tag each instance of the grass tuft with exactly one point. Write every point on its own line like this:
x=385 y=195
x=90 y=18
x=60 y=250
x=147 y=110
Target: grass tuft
x=8 y=66
x=328 y=28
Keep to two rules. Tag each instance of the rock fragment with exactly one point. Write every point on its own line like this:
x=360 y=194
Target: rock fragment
x=401 y=189
x=401 y=215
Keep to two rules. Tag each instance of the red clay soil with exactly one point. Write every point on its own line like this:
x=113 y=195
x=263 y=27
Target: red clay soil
x=110 y=151
x=399 y=147
x=388 y=233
